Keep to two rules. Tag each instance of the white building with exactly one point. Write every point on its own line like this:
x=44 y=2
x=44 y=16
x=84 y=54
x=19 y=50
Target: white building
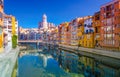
x=8 y=28
x=88 y=25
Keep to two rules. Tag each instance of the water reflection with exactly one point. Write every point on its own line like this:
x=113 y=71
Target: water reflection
x=53 y=62
x=87 y=66
x=39 y=65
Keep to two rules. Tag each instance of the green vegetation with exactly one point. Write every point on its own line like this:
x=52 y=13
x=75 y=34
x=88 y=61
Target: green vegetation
x=14 y=41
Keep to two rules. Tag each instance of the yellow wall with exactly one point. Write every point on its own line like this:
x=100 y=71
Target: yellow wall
x=80 y=35
x=1 y=40
x=89 y=40
x=13 y=26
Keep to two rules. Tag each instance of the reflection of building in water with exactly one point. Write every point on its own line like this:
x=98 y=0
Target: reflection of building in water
x=69 y=62
x=107 y=71
x=86 y=66
x=45 y=58
x=91 y=67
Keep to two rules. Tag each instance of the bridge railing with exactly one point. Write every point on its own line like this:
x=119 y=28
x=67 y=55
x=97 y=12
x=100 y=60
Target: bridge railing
x=29 y=40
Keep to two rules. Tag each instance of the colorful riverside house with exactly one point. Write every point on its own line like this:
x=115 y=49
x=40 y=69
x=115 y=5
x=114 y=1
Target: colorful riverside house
x=110 y=25
x=56 y=35
x=53 y=36
x=74 y=28
x=88 y=33
x=13 y=25
x=59 y=33
x=97 y=26
x=63 y=32
x=1 y=24
x=10 y=27
x=66 y=33
x=80 y=32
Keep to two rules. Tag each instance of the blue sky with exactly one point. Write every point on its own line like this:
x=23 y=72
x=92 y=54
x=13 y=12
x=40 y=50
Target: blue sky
x=29 y=12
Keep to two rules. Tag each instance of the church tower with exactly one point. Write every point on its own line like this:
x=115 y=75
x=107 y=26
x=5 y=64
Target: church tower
x=44 y=20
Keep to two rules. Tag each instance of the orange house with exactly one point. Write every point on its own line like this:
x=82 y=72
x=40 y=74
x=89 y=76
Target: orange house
x=68 y=34
x=110 y=25
x=59 y=34
x=97 y=26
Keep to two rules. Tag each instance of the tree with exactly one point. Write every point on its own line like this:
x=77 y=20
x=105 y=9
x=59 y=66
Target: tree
x=14 y=41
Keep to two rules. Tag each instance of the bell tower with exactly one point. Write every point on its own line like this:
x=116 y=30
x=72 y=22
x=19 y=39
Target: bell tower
x=44 y=20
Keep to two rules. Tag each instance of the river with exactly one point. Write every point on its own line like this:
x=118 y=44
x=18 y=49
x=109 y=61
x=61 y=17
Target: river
x=50 y=61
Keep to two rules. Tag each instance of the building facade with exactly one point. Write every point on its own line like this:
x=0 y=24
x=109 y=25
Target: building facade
x=53 y=36
x=68 y=34
x=10 y=27
x=74 y=28
x=59 y=33
x=97 y=26
x=88 y=33
x=29 y=34
x=63 y=39
x=110 y=25
x=80 y=32
x=1 y=24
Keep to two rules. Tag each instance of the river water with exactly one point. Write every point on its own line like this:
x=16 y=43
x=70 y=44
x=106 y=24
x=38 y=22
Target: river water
x=54 y=62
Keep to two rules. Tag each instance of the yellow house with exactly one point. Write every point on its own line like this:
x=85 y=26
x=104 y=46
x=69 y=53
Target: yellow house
x=80 y=32
x=89 y=40
x=82 y=37
x=1 y=37
x=13 y=25
x=1 y=26
x=88 y=32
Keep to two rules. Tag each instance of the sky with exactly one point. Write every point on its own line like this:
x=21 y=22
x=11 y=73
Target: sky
x=29 y=12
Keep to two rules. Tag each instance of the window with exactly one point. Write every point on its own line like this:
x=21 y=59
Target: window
x=85 y=25
x=9 y=22
x=112 y=6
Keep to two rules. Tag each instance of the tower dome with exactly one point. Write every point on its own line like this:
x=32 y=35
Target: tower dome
x=44 y=16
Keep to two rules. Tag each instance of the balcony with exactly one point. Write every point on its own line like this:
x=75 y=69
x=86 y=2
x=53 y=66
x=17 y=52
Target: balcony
x=108 y=15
